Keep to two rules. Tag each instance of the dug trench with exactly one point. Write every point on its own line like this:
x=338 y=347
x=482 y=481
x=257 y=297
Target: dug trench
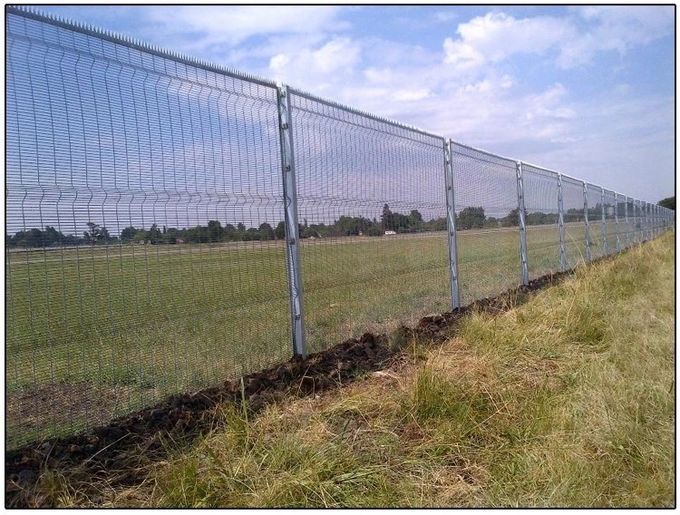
x=115 y=451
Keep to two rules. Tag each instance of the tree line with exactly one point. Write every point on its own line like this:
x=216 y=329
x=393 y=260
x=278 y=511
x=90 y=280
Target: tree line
x=214 y=231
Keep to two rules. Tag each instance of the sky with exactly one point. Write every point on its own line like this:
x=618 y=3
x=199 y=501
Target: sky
x=587 y=91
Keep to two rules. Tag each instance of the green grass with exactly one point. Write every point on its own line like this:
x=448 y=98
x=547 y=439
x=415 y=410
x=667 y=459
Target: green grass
x=564 y=401
x=130 y=325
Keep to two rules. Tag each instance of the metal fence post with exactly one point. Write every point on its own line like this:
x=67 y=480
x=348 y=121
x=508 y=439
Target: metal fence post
x=291 y=221
x=641 y=206
x=616 y=221
x=625 y=214
x=560 y=219
x=640 y=222
x=451 y=225
x=522 y=224
x=587 y=223
x=636 y=234
x=605 y=246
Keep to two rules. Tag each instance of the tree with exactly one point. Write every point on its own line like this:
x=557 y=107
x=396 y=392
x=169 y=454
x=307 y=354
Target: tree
x=415 y=221
x=215 y=230
x=512 y=219
x=154 y=235
x=668 y=202
x=140 y=236
x=280 y=231
x=96 y=234
x=375 y=230
x=491 y=222
x=386 y=218
x=128 y=233
x=471 y=218
x=30 y=238
x=266 y=231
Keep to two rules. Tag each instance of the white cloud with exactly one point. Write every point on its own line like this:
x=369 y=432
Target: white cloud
x=316 y=68
x=615 y=28
x=411 y=95
x=231 y=25
x=496 y=36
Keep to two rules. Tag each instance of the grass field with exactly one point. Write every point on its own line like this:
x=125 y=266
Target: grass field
x=564 y=401
x=93 y=333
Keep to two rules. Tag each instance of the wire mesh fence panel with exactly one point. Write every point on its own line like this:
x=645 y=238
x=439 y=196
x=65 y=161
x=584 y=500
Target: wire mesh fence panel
x=639 y=221
x=146 y=235
x=574 y=221
x=143 y=197
x=595 y=220
x=623 y=211
x=487 y=222
x=611 y=220
x=629 y=213
x=372 y=207
x=541 y=206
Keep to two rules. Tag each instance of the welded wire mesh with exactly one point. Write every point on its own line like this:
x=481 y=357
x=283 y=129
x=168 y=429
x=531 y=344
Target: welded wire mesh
x=596 y=226
x=637 y=221
x=612 y=227
x=372 y=206
x=630 y=221
x=541 y=218
x=145 y=234
x=143 y=195
x=486 y=212
x=574 y=221
x=624 y=226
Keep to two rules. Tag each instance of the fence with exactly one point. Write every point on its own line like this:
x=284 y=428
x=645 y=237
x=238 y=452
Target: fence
x=171 y=224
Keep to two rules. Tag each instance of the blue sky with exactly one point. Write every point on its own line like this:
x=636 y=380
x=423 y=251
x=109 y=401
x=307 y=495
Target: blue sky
x=585 y=90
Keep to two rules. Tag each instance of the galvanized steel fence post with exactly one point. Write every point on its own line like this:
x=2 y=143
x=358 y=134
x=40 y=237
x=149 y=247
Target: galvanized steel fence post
x=522 y=224
x=616 y=221
x=625 y=214
x=587 y=223
x=451 y=225
x=636 y=219
x=603 y=209
x=291 y=221
x=560 y=219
